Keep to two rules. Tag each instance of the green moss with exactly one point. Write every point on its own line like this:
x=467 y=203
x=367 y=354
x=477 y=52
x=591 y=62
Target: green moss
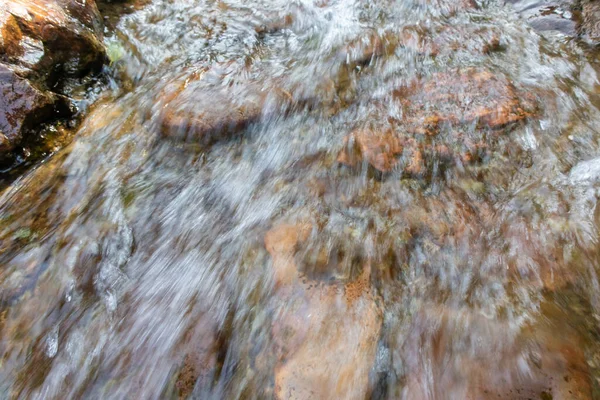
x=22 y=234
x=115 y=52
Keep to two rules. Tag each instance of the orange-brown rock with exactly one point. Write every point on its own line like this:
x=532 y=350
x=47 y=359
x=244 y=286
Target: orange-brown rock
x=445 y=107
x=379 y=149
x=467 y=97
x=531 y=363
x=327 y=334
x=41 y=35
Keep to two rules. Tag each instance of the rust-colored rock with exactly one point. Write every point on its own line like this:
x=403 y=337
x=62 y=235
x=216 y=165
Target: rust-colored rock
x=379 y=149
x=467 y=97
x=445 y=106
x=328 y=334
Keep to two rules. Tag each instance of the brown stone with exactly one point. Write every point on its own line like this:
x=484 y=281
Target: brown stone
x=69 y=34
x=328 y=334
x=10 y=35
x=22 y=106
x=200 y=346
x=205 y=107
x=511 y=365
x=446 y=103
x=42 y=42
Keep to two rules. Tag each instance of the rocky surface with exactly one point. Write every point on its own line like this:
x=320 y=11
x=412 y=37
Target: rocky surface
x=537 y=365
x=206 y=106
x=462 y=111
x=590 y=20
x=23 y=106
x=322 y=327
x=43 y=44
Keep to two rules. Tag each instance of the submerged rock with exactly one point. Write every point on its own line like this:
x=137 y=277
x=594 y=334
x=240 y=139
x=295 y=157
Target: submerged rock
x=327 y=334
x=535 y=363
x=378 y=149
x=450 y=107
x=469 y=97
x=421 y=41
x=207 y=106
x=548 y=16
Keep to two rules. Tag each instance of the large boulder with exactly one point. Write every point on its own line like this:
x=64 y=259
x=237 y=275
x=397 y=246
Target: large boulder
x=43 y=43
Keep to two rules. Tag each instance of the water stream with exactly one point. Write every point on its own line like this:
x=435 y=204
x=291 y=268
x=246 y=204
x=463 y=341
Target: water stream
x=315 y=199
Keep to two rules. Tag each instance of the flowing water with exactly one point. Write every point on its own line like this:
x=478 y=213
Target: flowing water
x=315 y=199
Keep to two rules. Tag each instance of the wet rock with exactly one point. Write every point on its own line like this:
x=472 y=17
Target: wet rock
x=327 y=334
x=380 y=150
x=545 y=16
x=421 y=41
x=200 y=346
x=468 y=97
x=533 y=362
x=22 y=106
x=450 y=107
x=210 y=106
x=51 y=38
x=42 y=45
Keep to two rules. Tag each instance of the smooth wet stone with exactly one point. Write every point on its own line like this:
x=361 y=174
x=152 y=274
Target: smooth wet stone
x=327 y=334
x=547 y=16
x=209 y=106
x=67 y=34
